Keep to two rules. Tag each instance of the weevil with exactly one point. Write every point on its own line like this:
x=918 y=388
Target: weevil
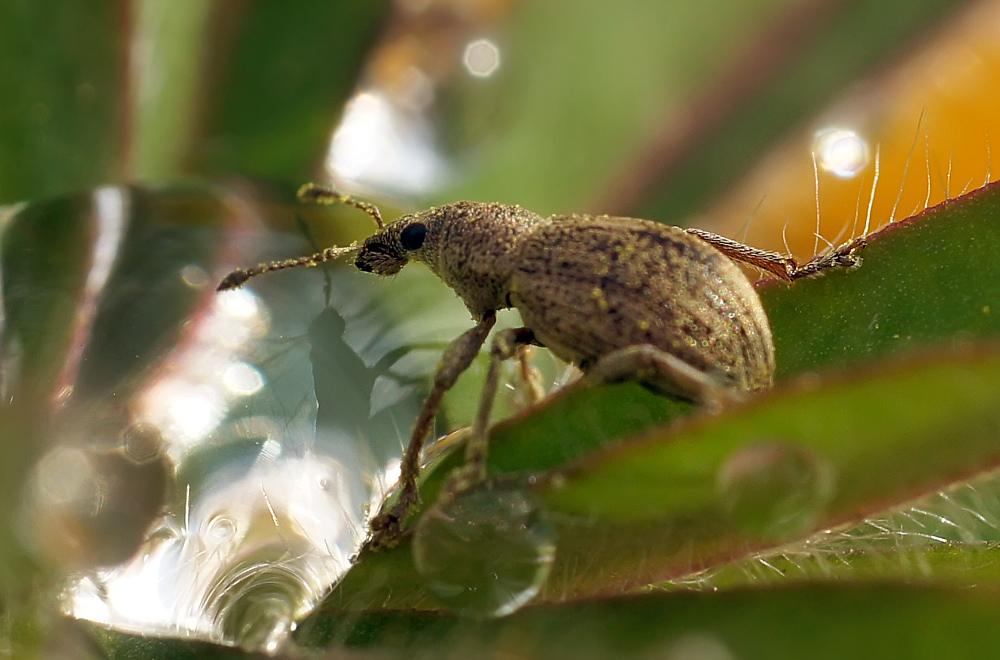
x=620 y=298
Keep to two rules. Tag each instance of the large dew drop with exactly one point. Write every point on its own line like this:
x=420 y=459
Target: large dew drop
x=775 y=491
x=255 y=604
x=486 y=552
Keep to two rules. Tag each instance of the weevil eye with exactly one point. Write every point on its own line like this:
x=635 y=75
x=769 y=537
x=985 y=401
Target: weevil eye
x=412 y=237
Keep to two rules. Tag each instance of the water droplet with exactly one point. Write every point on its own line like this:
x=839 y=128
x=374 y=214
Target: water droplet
x=699 y=646
x=481 y=58
x=142 y=443
x=487 y=551
x=255 y=604
x=66 y=476
x=221 y=529
x=775 y=490
x=242 y=379
x=840 y=151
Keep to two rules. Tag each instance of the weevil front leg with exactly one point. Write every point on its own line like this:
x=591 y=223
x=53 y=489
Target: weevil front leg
x=387 y=527
x=660 y=371
x=506 y=345
x=780 y=265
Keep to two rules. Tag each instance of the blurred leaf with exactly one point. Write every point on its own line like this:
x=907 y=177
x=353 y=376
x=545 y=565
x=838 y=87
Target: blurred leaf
x=652 y=108
x=118 y=646
x=169 y=51
x=275 y=90
x=584 y=83
x=847 y=41
x=809 y=621
x=62 y=121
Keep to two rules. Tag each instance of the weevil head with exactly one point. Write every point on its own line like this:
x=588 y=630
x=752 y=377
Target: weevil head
x=469 y=245
x=387 y=251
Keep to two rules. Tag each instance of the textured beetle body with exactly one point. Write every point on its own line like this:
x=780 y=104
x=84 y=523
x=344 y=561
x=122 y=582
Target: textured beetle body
x=639 y=282
x=591 y=285
x=619 y=297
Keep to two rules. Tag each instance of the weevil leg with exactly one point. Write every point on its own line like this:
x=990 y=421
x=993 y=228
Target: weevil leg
x=530 y=377
x=660 y=371
x=387 y=527
x=780 y=265
x=506 y=344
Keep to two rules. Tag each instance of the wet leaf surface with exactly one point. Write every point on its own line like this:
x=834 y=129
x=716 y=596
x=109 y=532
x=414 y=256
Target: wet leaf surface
x=852 y=429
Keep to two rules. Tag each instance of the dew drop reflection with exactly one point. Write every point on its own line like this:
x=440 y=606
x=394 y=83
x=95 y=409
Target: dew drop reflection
x=269 y=498
x=216 y=568
x=487 y=552
x=195 y=276
x=840 y=151
x=699 y=646
x=221 y=529
x=85 y=507
x=242 y=379
x=240 y=304
x=481 y=58
x=66 y=477
x=142 y=443
x=193 y=393
x=381 y=144
x=775 y=491
x=255 y=603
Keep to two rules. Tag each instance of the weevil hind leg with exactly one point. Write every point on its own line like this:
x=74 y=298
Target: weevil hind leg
x=387 y=528
x=662 y=373
x=779 y=265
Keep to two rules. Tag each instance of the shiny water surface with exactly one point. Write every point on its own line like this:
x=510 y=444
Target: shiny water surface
x=205 y=462
x=486 y=552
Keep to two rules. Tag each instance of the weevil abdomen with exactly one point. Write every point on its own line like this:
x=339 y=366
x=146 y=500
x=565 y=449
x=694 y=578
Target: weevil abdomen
x=591 y=285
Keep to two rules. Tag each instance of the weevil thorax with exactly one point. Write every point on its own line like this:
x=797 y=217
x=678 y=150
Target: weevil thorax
x=471 y=246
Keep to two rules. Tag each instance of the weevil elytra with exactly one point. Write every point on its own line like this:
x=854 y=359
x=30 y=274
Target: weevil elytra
x=621 y=298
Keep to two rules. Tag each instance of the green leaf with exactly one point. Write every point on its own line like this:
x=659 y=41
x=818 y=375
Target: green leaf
x=62 y=81
x=933 y=278
x=683 y=499
x=859 y=560
x=811 y=621
x=800 y=460
x=275 y=92
x=654 y=503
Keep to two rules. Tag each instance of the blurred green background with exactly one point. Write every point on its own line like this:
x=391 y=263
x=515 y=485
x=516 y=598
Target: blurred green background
x=149 y=146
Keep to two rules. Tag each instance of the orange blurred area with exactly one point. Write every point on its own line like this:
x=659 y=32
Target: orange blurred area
x=928 y=123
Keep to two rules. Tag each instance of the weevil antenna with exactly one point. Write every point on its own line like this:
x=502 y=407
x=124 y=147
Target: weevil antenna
x=314 y=192
x=239 y=276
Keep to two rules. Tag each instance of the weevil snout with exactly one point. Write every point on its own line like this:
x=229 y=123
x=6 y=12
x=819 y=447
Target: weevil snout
x=386 y=252
x=379 y=257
